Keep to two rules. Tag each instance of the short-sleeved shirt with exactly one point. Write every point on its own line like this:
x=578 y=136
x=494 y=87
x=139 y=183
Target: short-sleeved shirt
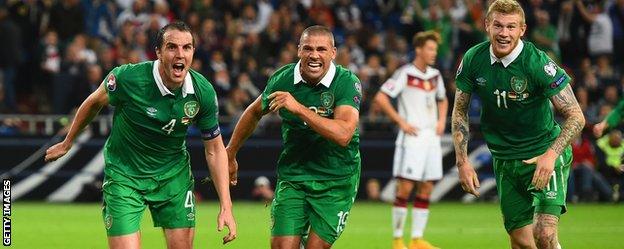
x=516 y=118
x=418 y=94
x=150 y=122
x=306 y=155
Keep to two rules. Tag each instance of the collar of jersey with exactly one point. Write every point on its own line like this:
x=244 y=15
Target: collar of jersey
x=511 y=57
x=326 y=80
x=187 y=87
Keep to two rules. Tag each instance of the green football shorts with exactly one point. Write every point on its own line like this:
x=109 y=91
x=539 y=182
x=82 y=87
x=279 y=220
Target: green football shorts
x=520 y=200
x=171 y=202
x=321 y=206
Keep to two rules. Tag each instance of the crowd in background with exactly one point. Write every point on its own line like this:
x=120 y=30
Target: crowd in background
x=54 y=53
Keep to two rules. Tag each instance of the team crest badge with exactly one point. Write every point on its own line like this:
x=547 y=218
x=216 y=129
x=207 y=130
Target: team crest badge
x=518 y=85
x=111 y=83
x=327 y=99
x=191 y=109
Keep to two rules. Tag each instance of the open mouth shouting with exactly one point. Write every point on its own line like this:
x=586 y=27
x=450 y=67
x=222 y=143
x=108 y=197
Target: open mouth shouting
x=178 y=69
x=503 y=43
x=314 y=67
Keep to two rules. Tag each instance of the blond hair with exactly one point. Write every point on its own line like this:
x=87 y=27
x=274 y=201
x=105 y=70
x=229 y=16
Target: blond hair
x=506 y=7
x=421 y=38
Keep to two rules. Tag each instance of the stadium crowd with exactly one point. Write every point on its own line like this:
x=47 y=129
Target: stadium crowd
x=53 y=53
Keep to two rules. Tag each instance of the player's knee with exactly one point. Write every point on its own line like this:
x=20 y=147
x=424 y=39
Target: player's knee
x=522 y=243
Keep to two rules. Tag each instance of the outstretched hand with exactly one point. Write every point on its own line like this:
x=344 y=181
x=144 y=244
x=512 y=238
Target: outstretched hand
x=56 y=151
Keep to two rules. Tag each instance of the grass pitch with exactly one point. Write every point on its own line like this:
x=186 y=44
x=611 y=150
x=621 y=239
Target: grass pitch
x=451 y=225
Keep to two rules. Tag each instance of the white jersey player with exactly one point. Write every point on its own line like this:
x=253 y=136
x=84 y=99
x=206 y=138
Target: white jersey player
x=421 y=116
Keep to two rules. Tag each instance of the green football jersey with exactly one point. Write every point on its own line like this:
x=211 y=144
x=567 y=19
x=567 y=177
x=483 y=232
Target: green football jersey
x=516 y=119
x=306 y=155
x=150 y=122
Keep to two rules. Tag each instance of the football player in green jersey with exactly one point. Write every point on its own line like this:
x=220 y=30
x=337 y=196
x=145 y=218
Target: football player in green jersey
x=319 y=167
x=532 y=154
x=147 y=164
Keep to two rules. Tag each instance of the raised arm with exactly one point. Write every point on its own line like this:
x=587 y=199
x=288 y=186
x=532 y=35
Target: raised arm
x=86 y=112
x=217 y=160
x=339 y=130
x=459 y=126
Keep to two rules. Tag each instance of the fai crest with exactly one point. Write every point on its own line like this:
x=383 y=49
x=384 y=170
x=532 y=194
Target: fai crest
x=327 y=99
x=518 y=85
x=191 y=108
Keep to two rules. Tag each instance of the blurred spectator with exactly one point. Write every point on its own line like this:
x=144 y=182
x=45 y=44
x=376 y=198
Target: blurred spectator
x=566 y=32
x=221 y=83
x=544 y=34
x=616 y=13
x=321 y=14
x=100 y=19
x=10 y=55
x=73 y=70
x=613 y=150
x=235 y=104
x=262 y=189
x=600 y=39
x=584 y=173
x=136 y=16
x=605 y=71
x=67 y=19
x=348 y=16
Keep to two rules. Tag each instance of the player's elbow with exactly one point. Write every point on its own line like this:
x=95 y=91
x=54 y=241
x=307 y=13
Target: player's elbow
x=343 y=142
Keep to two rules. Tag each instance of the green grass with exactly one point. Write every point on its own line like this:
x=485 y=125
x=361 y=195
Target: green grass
x=451 y=225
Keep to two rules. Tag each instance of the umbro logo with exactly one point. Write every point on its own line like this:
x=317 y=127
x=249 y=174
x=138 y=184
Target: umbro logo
x=481 y=81
x=151 y=111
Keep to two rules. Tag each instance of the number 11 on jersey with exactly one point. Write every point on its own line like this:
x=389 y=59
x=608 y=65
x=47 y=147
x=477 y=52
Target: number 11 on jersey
x=501 y=95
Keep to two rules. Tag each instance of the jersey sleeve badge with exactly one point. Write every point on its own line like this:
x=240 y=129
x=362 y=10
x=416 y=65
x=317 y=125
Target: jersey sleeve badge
x=550 y=68
x=111 y=82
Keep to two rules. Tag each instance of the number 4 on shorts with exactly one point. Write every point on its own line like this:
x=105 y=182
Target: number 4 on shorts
x=188 y=203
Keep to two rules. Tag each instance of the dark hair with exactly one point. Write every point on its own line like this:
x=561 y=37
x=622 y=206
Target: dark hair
x=318 y=30
x=177 y=25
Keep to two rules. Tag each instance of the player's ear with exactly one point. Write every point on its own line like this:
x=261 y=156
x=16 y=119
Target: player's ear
x=157 y=52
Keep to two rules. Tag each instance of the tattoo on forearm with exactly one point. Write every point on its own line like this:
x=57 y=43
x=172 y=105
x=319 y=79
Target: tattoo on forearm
x=545 y=230
x=566 y=104
x=459 y=125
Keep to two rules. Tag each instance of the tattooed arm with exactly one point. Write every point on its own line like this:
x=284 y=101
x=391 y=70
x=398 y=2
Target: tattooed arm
x=459 y=126
x=566 y=104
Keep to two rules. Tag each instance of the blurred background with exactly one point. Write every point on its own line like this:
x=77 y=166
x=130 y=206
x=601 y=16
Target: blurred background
x=55 y=53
